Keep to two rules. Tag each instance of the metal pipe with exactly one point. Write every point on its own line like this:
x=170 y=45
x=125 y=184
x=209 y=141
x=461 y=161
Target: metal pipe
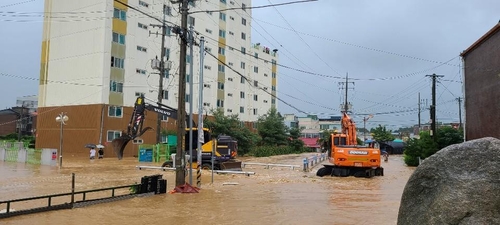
x=201 y=137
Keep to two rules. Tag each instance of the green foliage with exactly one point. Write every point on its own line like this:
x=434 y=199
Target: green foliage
x=232 y=126
x=425 y=146
x=265 y=151
x=134 y=189
x=294 y=141
x=272 y=129
x=381 y=134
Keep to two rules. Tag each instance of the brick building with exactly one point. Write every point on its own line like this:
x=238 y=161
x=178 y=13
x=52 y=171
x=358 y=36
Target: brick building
x=482 y=86
x=10 y=121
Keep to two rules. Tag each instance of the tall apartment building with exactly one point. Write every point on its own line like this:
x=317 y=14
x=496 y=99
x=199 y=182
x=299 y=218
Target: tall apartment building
x=96 y=59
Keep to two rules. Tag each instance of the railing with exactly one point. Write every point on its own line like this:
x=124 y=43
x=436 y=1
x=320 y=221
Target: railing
x=247 y=173
x=145 y=187
x=311 y=162
x=268 y=165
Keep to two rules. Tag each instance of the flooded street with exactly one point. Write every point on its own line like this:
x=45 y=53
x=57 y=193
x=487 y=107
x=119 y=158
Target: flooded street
x=271 y=196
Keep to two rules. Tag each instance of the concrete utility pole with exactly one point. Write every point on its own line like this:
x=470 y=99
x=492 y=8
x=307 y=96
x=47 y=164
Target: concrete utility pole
x=180 y=177
x=433 y=106
x=459 y=99
x=191 y=78
x=162 y=72
x=201 y=138
x=364 y=126
x=419 y=124
x=20 y=123
x=346 y=103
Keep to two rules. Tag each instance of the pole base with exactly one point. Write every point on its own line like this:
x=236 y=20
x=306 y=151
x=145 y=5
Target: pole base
x=185 y=188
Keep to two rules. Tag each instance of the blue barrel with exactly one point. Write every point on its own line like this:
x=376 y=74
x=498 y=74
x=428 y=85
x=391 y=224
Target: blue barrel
x=146 y=155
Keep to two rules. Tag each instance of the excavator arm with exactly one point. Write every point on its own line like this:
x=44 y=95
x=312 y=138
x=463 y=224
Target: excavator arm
x=349 y=128
x=135 y=127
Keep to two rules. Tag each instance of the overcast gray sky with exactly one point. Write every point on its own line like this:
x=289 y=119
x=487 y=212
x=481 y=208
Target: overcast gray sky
x=387 y=46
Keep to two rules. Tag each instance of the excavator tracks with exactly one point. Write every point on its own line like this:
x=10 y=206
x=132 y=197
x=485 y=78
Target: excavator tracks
x=336 y=171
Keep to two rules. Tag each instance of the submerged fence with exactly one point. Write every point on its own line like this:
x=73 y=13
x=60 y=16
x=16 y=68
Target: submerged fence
x=19 y=152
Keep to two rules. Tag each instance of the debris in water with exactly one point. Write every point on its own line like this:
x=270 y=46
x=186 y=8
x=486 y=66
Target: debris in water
x=230 y=183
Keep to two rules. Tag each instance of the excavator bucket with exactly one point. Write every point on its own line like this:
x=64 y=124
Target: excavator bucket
x=119 y=145
x=231 y=165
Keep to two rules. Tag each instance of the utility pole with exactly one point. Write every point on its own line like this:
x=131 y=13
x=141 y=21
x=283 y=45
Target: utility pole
x=459 y=99
x=180 y=177
x=419 y=124
x=346 y=103
x=191 y=78
x=364 y=126
x=20 y=123
x=201 y=136
x=162 y=72
x=433 y=106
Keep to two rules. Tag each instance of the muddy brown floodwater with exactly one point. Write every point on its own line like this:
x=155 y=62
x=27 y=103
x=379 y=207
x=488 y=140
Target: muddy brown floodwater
x=271 y=196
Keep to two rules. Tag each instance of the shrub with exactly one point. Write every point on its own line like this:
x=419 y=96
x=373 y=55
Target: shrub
x=265 y=151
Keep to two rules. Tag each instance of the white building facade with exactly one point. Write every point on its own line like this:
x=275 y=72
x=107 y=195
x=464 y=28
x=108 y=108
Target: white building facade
x=96 y=57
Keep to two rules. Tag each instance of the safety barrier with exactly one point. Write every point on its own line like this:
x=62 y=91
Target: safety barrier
x=247 y=173
x=311 y=162
x=268 y=165
x=149 y=184
x=15 y=152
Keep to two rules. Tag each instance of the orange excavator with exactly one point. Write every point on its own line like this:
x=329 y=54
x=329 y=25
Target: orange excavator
x=347 y=158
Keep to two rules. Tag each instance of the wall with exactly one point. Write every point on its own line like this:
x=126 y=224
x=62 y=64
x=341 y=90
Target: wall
x=482 y=84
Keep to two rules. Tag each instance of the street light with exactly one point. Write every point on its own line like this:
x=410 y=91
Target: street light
x=61 y=119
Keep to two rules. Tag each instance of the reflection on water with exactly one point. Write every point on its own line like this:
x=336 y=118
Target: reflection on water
x=272 y=196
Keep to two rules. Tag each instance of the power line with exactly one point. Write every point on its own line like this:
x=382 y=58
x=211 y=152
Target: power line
x=253 y=7
x=17 y=3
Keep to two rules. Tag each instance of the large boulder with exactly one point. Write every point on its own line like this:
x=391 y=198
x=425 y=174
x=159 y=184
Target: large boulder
x=460 y=184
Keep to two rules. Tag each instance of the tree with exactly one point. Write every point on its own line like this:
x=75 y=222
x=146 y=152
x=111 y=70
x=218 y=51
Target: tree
x=272 y=129
x=232 y=126
x=294 y=140
x=381 y=134
x=425 y=146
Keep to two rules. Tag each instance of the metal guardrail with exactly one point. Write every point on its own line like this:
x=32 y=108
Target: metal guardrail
x=149 y=184
x=268 y=165
x=311 y=162
x=248 y=173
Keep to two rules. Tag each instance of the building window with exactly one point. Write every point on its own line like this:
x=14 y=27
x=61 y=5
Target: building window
x=255 y=111
x=222 y=33
x=256 y=69
x=143 y=26
x=138 y=141
x=141 y=3
x=118 y=38
x=221 y=68
x=273 y=62
x=242 y=109
x=165 y=95
x=222 y=51
x=188 y=98
x=243 y=36
x=223 y=1
x=191 y=21
x=242 y=94
x=142 y=49
x=243 y=50
x=243 y=6
x=189 y=59
x=220 y=86
x=273 y=88
x=115 y=86
x=187 y=78
x=220 y=103
x=140 y=94
x=166 y=73
x=120 y=14
x=113 y=134
x=117 y=62
x=273 y=101
x=243 y=21
x=242 y=65
x=115 y=111
x=140 y=71
x=168 y=11
x=274 y=75
x=222 y=16
x=242 y=80
x=256 y=55
x=255 y=83
x=255 y=98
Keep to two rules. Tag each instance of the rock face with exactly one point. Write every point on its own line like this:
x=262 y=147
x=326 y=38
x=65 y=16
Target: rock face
x=460 y=184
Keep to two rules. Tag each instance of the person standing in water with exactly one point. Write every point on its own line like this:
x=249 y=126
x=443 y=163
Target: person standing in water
x=92 y=153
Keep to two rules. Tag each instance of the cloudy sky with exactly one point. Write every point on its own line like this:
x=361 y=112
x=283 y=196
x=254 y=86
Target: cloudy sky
x=386 y=46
